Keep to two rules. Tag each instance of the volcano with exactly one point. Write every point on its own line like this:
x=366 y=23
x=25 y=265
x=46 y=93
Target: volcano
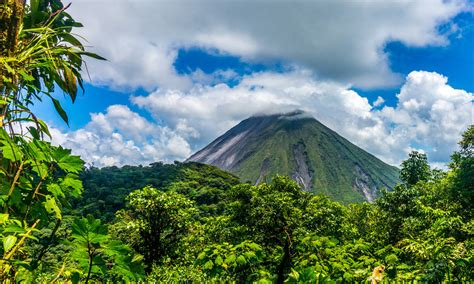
x=298 y=145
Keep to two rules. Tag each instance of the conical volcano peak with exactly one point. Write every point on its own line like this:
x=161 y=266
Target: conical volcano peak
x=298 y=145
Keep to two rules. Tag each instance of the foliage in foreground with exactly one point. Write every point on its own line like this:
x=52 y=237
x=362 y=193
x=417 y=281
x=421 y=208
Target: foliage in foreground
x=38 y=55
x=278 y=233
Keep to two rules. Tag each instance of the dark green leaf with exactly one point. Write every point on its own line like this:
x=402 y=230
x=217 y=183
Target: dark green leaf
x=60 y=110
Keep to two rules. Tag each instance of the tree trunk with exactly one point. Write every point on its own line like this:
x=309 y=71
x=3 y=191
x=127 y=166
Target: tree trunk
x=11 y=17
x=285 y=262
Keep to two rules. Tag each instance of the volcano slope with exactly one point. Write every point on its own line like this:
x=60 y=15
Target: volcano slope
x=298 y=145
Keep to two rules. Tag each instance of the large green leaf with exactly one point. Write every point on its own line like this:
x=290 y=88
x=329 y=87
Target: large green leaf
x=8 y=242
x=52 y=207
x=93 y=55
x=66 y=161
x=8 y=148
x=73 y=183
x=4 y=218
x=55 y=190
x=60 y=110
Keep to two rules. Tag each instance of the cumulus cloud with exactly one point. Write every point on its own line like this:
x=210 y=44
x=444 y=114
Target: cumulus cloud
x=326 y=47
x=429 y=116
x=121 y=136
x=431 y=113
x=379 y=101
x=338 y=40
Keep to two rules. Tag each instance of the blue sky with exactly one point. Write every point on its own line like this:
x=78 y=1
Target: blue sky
x=166 y=72
x=455 y=60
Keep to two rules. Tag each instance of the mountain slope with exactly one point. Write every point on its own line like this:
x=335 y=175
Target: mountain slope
x=298 y=145
x=106 y=189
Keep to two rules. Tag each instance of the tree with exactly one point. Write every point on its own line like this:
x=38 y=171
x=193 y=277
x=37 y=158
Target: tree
x=271 y=215
x=38 y=54
x=11 y=16
x=467 y=142
x=462 y=166
x=415 y=169
x=155 y=222
x=325 y=217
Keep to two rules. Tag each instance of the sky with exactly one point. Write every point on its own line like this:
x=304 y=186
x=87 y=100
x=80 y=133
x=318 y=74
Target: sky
x=390 y=76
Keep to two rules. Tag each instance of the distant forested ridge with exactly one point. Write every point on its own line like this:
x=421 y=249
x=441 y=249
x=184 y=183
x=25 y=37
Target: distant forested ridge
x=106 y=189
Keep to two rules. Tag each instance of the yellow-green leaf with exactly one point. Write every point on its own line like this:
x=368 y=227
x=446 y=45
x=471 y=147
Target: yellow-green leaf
x=3 y=218
x=52 y=207
x=8 y=243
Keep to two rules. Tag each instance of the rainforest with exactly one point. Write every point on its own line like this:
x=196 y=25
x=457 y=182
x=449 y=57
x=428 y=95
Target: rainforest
x=65 y=220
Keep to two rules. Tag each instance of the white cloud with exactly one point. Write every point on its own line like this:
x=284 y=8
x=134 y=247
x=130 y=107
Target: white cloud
x=120 y=137
x=378 y=102
x=430 y=113
x=329 y=46
x=430 y=116
x=338 y=40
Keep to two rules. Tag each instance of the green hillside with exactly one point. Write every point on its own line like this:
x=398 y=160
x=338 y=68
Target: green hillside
x=298 y=145
x=106 y=189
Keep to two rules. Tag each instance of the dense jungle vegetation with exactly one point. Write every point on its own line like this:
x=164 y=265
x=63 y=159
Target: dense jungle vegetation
x=62 y=222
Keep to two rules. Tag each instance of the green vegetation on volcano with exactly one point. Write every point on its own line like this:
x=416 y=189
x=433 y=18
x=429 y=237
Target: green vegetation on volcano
x=299 y=146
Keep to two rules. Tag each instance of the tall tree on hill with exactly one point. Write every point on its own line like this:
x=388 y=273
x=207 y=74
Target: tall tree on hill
x=415 y=168
x=463 y=169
